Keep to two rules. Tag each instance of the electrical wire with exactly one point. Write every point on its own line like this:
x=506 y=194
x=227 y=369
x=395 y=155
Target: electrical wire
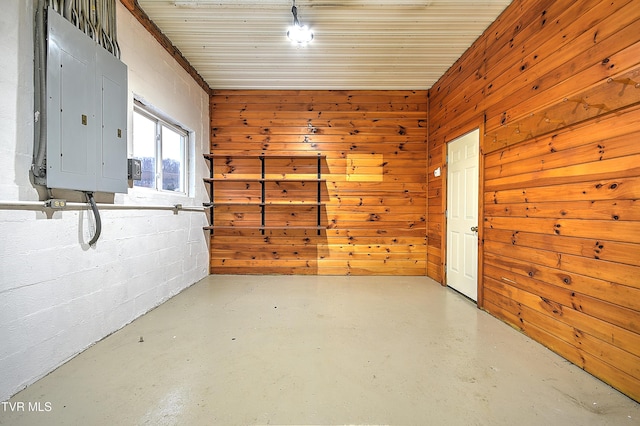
x=39 y=168
x=96 y=215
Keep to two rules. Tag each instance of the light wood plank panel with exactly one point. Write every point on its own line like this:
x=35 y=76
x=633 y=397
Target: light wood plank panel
x=389 y=146
x=321 y=267
x=606 y=70
x=625 y=210
x=379 y=209
x=309 y=106
x=374 y=97
x=622 y=295
x=313 y=144
x=609 y=189
x=536 y=25
x=338 y=237
x=375 y=250
x=603 y=98
x=381 y=118
x=246 y=137
x=310 y=270
x=528 y=312
x=611 y=230
x=504 y=88
x=614 y=51
x=593 y=364
x=373 y=188
x=611 y=251
x=390 y=204
x=353 y=216
x=556 y=300
x=435 y=188
x=354 y=178
x=288 y=252
x=322 y=124
x=613 y=148
x=308 y=129
x=249 y=264
x=376 y=234
x=601 y=131
x=416 y=226
x=499 y=293
x=402 y=164
x=261 y=255
x=378 y=267
x=628 y=166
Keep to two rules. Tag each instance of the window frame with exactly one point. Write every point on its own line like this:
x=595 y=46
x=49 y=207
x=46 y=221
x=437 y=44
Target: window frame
x=160 y=121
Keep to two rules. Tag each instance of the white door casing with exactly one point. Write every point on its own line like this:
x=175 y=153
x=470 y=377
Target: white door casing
x=462 y=214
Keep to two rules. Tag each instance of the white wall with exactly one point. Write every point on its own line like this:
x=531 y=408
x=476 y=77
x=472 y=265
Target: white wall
x=57 y=295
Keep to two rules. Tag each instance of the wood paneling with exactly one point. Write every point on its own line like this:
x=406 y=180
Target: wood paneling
x=556 y=87
x=375 y=193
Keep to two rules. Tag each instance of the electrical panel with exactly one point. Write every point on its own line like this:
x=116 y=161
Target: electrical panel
x=86 y=112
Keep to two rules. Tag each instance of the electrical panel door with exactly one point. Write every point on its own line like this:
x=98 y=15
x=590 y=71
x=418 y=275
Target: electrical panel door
x=112 y=81
x=86 y=112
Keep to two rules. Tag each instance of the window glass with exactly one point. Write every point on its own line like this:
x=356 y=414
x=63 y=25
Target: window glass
x=162 y=150
x=172 y=160
x=144 y=149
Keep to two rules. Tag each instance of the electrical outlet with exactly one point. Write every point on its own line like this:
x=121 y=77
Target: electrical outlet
x=56 y=203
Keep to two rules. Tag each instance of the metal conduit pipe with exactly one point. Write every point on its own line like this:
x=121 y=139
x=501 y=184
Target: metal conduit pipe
x=67 y=10
x=42 y=205
x=113 y=30
x=41 y=113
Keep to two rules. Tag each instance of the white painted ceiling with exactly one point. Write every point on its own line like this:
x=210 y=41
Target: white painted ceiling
x=358 y=44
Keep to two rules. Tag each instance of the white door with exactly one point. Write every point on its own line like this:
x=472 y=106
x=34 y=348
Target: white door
x=462 y=214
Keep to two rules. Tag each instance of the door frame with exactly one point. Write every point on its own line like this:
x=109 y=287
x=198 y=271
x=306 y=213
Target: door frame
x=445 y=173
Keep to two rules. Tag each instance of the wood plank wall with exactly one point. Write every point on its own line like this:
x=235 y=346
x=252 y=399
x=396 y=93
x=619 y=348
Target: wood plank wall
x=375 y=190
x=555 y=88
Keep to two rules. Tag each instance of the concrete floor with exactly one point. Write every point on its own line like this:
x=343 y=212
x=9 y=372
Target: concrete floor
x=239 y=350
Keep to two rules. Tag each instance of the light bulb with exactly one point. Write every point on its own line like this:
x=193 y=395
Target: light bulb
x=300 y=34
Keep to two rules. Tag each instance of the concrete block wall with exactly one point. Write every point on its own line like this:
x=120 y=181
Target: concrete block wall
x=58 y=296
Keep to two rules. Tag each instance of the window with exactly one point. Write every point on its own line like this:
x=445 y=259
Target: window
x=161 y=147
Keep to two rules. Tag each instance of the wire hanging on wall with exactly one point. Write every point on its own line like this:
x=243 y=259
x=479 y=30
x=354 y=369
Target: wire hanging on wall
x=96 y=18
x=96 y=216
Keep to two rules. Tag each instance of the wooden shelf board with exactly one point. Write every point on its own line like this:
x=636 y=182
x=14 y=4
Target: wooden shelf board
x=270 y=203
x=286 y=179
x=294 y=203
x=266 y=156
x=258 y=228
x=208 y=179
x=236 y=203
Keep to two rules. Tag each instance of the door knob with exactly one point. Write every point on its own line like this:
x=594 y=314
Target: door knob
x=474 y=228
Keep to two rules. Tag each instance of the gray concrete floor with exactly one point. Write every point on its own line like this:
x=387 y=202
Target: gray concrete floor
x=241 y=350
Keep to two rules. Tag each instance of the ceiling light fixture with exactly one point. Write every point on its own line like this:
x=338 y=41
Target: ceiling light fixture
x=298 y=33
